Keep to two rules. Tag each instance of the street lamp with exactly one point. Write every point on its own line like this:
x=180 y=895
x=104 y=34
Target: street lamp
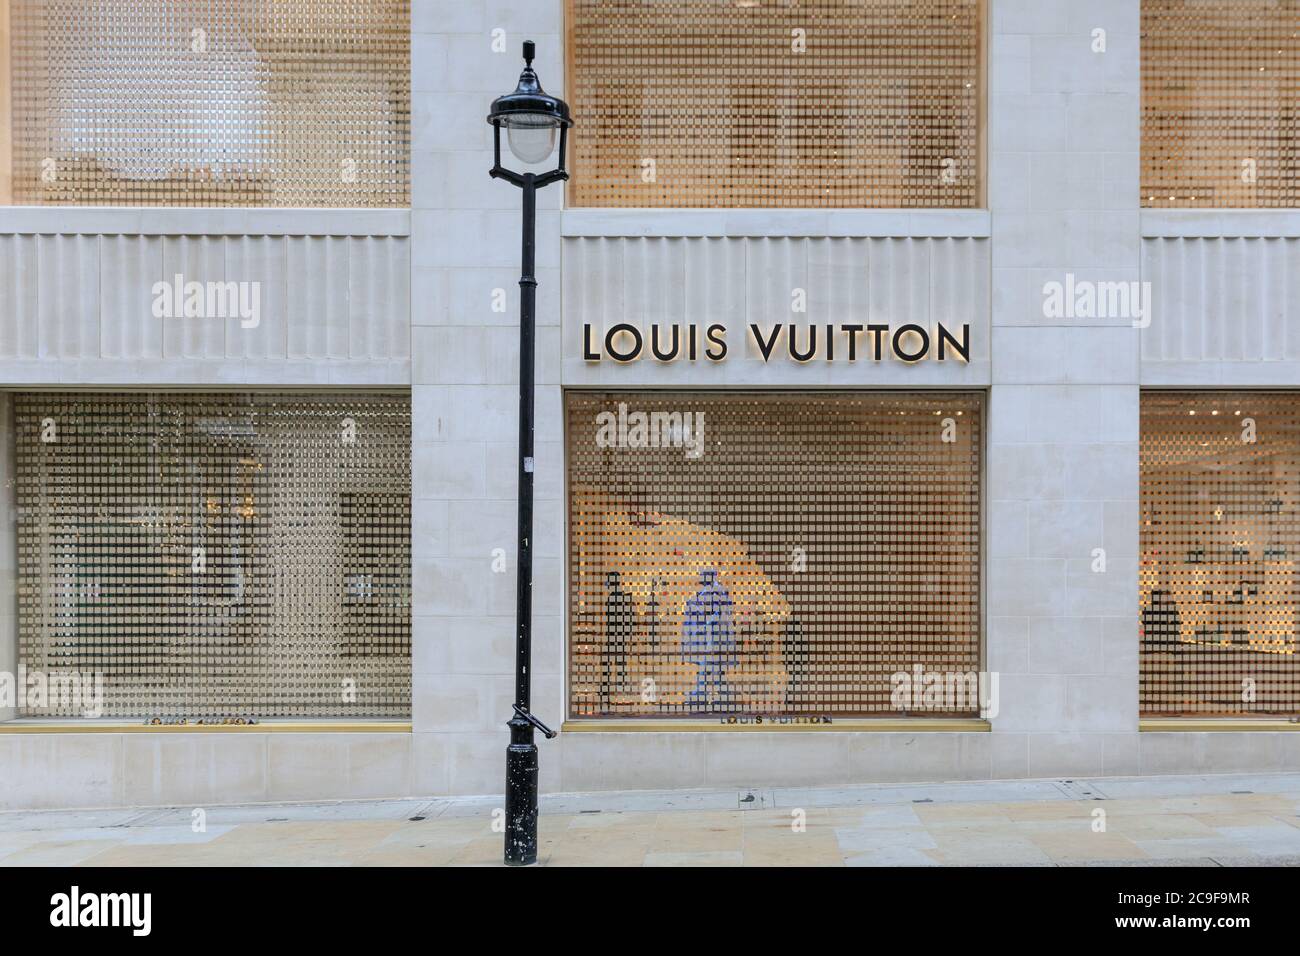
x=530 y=118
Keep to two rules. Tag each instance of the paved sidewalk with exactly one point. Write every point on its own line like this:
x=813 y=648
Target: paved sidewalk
x=1219 y=820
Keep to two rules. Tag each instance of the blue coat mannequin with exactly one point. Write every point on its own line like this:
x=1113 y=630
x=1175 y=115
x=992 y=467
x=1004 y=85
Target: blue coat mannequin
x=709 y=641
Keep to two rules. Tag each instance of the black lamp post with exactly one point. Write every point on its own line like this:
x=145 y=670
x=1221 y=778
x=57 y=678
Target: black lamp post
x=530 y=118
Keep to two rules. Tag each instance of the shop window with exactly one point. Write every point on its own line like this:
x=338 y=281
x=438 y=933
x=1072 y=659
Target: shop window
x=1220 y=542
x=778 y=555
x=818 y=104
x=1221 y=103
x=216 y=556
x=200 y=103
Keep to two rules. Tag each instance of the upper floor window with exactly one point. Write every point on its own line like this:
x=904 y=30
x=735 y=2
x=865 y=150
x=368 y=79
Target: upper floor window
x=826 y=103
x=210 y=102
x=1221 y=103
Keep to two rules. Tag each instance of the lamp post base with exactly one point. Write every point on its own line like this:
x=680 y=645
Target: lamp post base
x=521 y=795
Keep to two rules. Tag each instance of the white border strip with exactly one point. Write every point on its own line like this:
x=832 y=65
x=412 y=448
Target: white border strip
x=1220 y=224
x=784 y=223
x=202 y=221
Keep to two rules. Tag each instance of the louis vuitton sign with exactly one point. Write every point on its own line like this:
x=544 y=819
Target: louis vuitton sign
x=829 y=342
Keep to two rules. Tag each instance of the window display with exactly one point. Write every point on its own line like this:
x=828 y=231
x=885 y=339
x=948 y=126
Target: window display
x=1220 y=536
x=770 y=554
x=217 y=555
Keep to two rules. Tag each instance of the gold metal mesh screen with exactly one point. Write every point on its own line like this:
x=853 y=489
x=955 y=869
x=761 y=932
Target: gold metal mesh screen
x=1220 y=541
x=211 y=102
x=815 y=547
x=218 y=555
x=1220 y=103
x=824 y=103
